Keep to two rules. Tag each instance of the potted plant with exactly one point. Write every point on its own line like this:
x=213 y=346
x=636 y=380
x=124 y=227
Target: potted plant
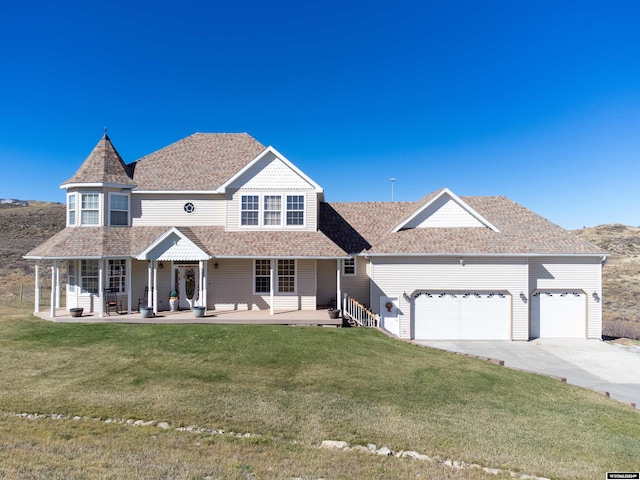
x=174 y=301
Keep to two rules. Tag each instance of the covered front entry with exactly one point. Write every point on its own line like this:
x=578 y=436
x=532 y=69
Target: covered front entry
x=187 y=283
x=461 y=315
x=558 y=314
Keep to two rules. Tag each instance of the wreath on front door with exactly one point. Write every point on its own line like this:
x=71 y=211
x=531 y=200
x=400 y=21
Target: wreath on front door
x=389 y=306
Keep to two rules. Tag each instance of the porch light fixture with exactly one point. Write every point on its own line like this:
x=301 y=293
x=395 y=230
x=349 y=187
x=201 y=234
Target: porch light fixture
x=461 y=260
x=406 y=297
x=161 y=265
x=596 y=297
x=215 y=265
x=523 y=297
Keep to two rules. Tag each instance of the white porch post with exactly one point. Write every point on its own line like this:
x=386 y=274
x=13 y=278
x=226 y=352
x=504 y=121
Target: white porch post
x=36 y=306
x=149 y=285
x=101 y=288
x=338 y=284
x=203 y=283
x=53 y=289
x=57 y=284
x=128 y=282
x=272 y=283
x=155 y=290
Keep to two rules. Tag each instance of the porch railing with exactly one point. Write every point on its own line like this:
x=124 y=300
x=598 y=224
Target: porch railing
x=358 y=313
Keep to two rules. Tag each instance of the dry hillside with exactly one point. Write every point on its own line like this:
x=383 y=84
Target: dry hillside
x=620 y=277
x=23 y=228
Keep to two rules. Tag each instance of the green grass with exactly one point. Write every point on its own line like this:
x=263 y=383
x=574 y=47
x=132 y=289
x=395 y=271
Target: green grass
x=295 y=383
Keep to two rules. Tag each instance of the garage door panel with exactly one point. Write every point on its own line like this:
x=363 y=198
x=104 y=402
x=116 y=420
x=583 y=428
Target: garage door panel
x=462 y=316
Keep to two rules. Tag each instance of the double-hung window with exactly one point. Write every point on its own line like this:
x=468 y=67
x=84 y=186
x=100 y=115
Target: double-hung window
x=89 y=276
x=349 y=266
x=249 y=213
x=89 y=209
x=117 y=275
x=286 y=276
x=118 y=209
x=263 y=276
x=295 y=209
x=71 y=209
x=272 y=210
x=71 y=276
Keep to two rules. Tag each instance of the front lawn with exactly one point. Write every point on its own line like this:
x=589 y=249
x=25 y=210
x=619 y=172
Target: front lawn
x=294 y=384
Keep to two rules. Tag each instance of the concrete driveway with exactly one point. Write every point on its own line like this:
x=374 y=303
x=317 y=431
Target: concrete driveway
x=587 y=363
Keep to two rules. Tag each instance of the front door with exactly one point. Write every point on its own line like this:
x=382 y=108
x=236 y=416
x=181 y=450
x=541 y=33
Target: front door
x=187 y=282
x=389 y=315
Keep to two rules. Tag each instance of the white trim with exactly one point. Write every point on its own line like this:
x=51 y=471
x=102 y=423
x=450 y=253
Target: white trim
x=455 y=198
x=96 y=184
x=177 y=192
x=144 y=255
x=482 y=255
x=222 y=188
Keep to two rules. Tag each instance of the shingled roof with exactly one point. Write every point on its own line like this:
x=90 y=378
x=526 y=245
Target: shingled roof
x=202 y=161
x=104 y=166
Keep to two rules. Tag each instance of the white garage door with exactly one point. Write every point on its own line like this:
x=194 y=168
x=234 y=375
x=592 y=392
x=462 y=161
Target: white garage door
x=462 y=316
x=558 y=314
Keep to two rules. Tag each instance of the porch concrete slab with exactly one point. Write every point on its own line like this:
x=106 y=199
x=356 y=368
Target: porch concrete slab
x=247 y=317
x=592 y=364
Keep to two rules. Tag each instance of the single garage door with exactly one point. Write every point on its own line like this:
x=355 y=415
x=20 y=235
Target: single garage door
x=558 y=314
x=462 y=316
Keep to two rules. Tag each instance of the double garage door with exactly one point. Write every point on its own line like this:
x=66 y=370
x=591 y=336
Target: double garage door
x=454 y=315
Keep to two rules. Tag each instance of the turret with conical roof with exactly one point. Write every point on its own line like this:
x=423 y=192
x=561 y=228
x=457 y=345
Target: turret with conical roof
x=103 y=167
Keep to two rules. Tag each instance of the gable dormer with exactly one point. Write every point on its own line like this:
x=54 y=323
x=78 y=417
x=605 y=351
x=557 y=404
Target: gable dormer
x=98 y=194
x=270 y=193
x=444 y=209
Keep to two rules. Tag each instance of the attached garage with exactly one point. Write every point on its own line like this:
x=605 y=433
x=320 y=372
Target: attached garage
x=558 y=314
x=462 y=315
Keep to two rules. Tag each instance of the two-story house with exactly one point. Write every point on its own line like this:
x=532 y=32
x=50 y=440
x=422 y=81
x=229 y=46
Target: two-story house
x=230 y=225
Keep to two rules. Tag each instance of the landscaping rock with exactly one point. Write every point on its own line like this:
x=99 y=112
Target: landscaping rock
x=384 y=451
x=164 y=425
x=334 y=444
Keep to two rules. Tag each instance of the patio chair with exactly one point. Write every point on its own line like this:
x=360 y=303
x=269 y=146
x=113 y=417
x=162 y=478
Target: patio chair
x=111 y=301
x=143 y=302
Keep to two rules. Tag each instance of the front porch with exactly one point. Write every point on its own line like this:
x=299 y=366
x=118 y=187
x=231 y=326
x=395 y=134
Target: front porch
x=239 y=317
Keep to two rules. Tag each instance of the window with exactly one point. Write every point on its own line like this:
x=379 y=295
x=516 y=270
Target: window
x=272 y=209
x=286 y=276
x=117 y=275
x=89 y=209
x=71 y=275
x=263 y=276
x=349 y=266
x=89 y=276
x=71 y=209
x=249 y=210
x=119 y=210
x=295 y=209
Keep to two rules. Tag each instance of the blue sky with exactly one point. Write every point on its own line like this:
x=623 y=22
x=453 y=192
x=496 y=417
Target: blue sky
x=538 y=101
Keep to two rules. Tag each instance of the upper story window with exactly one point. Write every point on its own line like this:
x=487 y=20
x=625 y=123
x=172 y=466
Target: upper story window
x=295 y=209
x=272 y=210
x=249 y=213
x=71 y=209
x=89 y=209
x=349 y=266
x=118 y=209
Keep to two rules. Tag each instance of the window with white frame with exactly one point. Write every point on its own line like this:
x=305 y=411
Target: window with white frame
x=71 y=209
x=89 y=275
x=349 y=266
x=71 y=275
x=286 y=276
x=262 y=276
x=272 y=210
x=295 y=209
x=90 y=209
x=117 y=275
x=249 y=212
x=118 y=210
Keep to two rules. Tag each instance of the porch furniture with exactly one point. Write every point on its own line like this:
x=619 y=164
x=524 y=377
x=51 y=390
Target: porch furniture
x=111 y=301
x=143 y=302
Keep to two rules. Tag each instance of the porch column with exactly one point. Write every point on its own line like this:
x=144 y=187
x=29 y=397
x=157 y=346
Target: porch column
x=128 y=282
x=53 y=289
x=101 y=288
x=149 y=285
x=202 y=283
x=57 y=284
x=272 y=283
x=338 y=285
x=36 y=307
x=155 y=290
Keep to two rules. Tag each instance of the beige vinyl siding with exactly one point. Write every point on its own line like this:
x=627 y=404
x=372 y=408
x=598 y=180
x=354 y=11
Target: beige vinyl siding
x=231 y=287
x=579 y=273
x=358 y=286
x=310 y=209
x=393 y=276
x=326 y=287
x=168 y=209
